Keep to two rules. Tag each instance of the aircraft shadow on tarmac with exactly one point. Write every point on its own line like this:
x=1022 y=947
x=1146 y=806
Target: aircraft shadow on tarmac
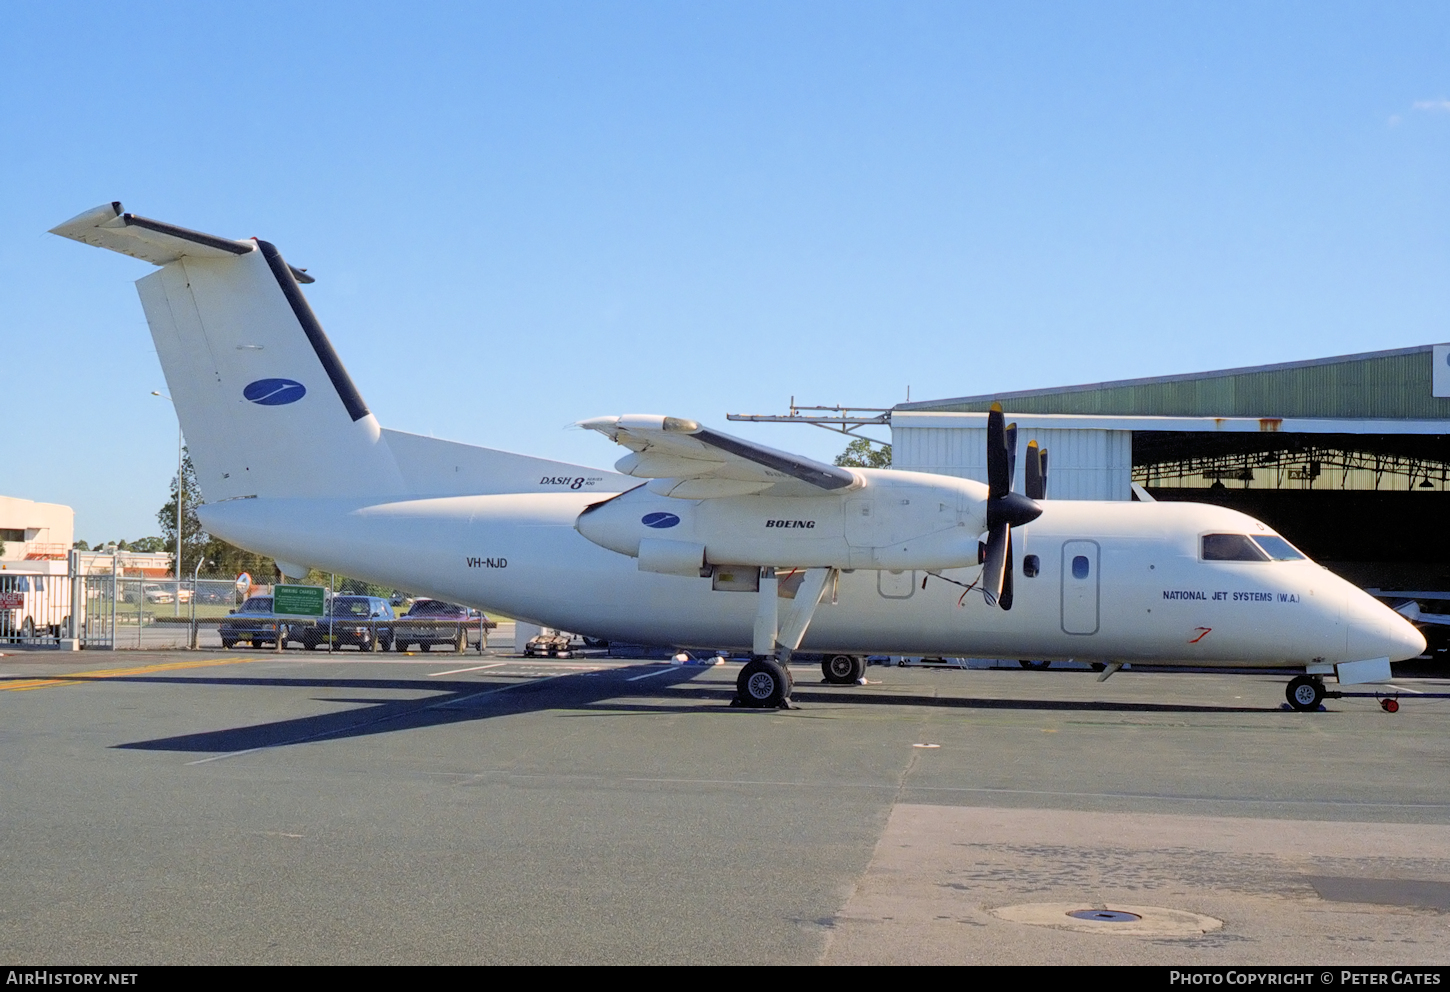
x=456 y=702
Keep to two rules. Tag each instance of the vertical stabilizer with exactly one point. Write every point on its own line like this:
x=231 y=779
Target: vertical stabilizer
x=266 y=405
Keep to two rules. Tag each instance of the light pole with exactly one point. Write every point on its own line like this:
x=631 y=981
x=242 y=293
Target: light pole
x=180 y=490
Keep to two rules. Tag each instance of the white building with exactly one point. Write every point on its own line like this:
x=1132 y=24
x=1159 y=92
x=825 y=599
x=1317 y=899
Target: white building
x=35 y=531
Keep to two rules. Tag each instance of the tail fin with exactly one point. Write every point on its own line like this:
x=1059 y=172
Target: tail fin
x=266 y=405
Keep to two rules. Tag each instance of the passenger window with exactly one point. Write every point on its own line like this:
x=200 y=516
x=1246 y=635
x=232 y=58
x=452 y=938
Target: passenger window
x=1231 y=547
x=1031 y=565
x=1080 y=567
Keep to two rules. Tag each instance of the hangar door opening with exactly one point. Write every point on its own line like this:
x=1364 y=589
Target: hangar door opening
x=1080 y=587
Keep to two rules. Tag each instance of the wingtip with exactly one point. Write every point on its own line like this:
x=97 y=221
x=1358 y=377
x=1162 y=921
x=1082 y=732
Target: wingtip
x=87 y=219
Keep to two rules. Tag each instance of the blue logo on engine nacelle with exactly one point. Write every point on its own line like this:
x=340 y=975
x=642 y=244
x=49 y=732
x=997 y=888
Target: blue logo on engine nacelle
x=659 y=521
x=274 y=392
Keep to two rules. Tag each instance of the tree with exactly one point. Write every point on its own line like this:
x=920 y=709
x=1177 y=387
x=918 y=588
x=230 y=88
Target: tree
x=221 y=557
x=193 y=538
x=860 y=454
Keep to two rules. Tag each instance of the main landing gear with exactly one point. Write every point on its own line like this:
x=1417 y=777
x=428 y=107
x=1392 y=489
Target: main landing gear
x=1305 y=693
x=765 y=681
x=843 y=669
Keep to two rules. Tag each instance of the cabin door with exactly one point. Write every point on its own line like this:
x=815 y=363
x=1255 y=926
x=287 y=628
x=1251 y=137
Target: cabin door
x=1080 y=587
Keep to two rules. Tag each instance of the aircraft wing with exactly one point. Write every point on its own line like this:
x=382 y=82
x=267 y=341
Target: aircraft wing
x=685 y=460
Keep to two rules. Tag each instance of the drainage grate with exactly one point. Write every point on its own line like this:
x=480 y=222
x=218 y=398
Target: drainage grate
x=1105 y=916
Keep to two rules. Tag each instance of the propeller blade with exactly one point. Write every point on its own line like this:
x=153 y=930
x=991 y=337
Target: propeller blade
x=1011 y=434
x=1042 y=457
x=999 y=479
x=1032 y=472
x=1004 y=600
x=994 y=569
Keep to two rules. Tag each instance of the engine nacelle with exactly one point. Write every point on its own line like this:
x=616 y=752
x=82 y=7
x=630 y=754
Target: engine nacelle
x=895 y=520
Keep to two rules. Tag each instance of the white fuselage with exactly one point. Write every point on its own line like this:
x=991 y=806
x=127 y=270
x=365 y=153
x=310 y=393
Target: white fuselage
x=1144 y=595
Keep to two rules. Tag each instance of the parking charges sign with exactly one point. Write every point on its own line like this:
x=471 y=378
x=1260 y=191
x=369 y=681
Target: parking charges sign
x=298 y=601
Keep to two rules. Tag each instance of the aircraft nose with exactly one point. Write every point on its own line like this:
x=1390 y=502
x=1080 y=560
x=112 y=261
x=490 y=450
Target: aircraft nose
x=1383 y=633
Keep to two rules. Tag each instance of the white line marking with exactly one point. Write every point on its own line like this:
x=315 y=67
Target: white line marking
x=475 y=668
x=646 y=675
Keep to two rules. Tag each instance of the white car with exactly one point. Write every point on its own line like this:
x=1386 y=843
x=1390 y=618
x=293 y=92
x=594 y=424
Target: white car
x=157 y=592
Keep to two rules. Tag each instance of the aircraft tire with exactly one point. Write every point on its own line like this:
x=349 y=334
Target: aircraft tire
x=1034 y=664
x=842 y=669
x=763 y=684
x=1305 y=693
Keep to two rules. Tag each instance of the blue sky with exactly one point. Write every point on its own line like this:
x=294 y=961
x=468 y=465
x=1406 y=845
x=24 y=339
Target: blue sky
x=521 y=215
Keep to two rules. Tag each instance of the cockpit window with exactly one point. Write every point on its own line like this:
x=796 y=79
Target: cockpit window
x=1279 y=549
x=1231 y=547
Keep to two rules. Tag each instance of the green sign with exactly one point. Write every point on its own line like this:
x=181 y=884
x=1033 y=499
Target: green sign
x=298 y=601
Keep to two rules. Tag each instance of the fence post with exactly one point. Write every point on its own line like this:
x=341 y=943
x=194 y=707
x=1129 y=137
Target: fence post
x=72 y=639
x=114 y=563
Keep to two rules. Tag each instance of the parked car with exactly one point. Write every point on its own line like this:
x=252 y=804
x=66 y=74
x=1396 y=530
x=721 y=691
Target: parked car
x=165 y=592
x=432 y=621
x=365 y=622
x=254 y=622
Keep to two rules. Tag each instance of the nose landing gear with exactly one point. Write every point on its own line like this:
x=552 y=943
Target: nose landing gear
x=1305 y=693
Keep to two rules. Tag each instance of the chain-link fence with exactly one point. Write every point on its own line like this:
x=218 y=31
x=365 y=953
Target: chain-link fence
x=117 y=611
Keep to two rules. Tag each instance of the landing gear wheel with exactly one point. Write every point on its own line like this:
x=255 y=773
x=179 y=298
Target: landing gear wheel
x=1034 y=664
x=1097 y=666
x=843 y=669
x=763 y=684
x=1304 y=693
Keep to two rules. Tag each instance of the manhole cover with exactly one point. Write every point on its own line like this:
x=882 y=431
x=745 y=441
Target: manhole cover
x=1105 y=915
x=1126 y=921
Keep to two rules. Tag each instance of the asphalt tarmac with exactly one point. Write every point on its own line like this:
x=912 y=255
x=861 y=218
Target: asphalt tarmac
x=245 y=807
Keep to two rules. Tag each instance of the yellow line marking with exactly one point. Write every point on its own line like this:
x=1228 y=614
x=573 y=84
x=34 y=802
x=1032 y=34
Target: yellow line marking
x=79 y=678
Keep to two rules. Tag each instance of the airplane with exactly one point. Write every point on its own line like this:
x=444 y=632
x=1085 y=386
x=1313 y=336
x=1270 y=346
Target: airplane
x=704 y=540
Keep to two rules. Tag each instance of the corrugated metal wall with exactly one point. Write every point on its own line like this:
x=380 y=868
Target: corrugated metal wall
x=1082 y=464
x=1396 y=386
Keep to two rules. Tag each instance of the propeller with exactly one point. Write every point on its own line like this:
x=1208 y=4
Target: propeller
x=1006 y=509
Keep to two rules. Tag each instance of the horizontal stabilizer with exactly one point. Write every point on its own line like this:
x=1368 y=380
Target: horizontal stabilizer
x=152 y=241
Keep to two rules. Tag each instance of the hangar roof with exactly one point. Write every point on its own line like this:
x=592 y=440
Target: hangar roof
x=1383 y=385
